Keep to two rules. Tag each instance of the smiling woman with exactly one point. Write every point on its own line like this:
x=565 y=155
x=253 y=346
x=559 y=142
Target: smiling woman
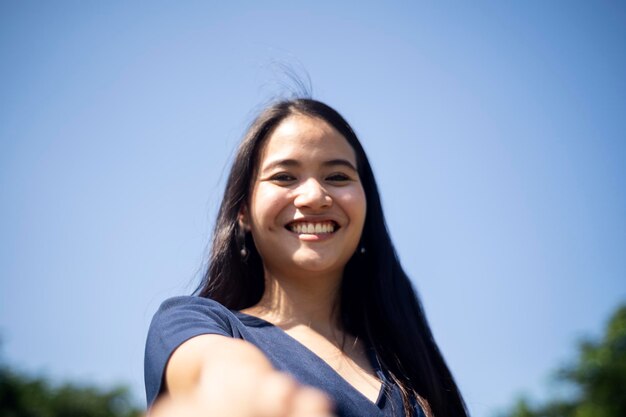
x=305 y=309
x=307 y=207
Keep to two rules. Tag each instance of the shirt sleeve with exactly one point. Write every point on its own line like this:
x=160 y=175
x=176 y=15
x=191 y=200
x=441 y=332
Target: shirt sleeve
x=177 y=320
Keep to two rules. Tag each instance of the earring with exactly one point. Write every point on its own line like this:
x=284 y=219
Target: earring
x=240 y=238
x=362 y=250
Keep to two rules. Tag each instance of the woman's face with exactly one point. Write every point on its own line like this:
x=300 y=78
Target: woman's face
x=307 y=207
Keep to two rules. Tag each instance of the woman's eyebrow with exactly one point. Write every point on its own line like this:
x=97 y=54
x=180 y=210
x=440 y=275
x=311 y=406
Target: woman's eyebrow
x=291 y=163
x=342 y=162
x=287 y=163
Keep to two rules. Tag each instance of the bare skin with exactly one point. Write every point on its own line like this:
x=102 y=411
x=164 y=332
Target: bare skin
x=307 y=315
x=213 y=375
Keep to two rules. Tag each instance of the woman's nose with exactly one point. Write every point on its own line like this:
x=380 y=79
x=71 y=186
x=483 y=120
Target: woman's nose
x=312 y=194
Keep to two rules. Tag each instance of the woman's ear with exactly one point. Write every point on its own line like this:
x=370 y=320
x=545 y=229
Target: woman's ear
x=243 y=219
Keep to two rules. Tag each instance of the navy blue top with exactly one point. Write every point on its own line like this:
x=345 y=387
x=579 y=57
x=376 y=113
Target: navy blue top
x=181 y=318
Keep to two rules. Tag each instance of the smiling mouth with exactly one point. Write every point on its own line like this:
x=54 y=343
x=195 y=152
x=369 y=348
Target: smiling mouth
x=313 y=228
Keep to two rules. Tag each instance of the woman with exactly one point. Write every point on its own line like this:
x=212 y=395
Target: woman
x=303 y=270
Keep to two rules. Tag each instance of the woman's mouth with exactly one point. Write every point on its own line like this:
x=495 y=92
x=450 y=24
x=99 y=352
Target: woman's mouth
x=313 y=228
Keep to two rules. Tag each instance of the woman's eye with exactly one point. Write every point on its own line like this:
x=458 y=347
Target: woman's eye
x=337 y=177
x=283 y=178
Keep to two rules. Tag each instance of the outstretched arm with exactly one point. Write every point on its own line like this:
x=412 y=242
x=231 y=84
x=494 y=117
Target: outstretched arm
x=212 y=375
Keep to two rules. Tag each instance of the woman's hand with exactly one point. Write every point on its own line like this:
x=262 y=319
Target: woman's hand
x=215 y=376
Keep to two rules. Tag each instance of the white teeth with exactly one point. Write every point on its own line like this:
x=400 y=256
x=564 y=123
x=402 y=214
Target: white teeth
x=312 y=228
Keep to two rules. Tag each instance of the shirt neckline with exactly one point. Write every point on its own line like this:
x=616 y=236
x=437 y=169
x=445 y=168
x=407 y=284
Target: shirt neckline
x=380 y=400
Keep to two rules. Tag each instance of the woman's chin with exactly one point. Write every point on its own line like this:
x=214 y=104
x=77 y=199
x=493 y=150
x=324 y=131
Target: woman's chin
x=317 y=263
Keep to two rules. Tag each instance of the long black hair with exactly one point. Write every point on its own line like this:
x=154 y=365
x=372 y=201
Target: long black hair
x=377 y=301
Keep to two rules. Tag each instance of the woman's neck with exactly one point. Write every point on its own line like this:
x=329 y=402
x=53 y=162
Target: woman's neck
x=311 y=301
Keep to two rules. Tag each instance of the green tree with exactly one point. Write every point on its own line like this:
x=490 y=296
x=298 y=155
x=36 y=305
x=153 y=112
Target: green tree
x=598 y=376
x=23 y=396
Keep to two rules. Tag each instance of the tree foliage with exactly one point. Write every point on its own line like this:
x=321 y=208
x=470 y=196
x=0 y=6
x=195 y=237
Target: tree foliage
x=23 y=396
x=598 y=376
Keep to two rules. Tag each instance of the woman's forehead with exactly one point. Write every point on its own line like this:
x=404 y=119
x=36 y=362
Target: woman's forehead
x=306 y=137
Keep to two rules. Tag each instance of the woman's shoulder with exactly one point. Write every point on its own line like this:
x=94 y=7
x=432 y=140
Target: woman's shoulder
x=177 y=320
x=192 y=302
x=193 y=314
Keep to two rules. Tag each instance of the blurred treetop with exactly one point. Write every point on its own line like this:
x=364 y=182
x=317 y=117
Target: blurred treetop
x=598 y=376
x=22 y=396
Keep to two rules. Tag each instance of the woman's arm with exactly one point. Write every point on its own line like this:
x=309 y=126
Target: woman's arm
x=209 y=359
x=212 y=375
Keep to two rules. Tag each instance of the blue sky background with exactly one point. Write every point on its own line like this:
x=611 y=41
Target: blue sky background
x=496 y=131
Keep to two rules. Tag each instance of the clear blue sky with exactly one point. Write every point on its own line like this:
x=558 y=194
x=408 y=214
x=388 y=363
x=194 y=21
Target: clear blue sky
x=496 y=131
